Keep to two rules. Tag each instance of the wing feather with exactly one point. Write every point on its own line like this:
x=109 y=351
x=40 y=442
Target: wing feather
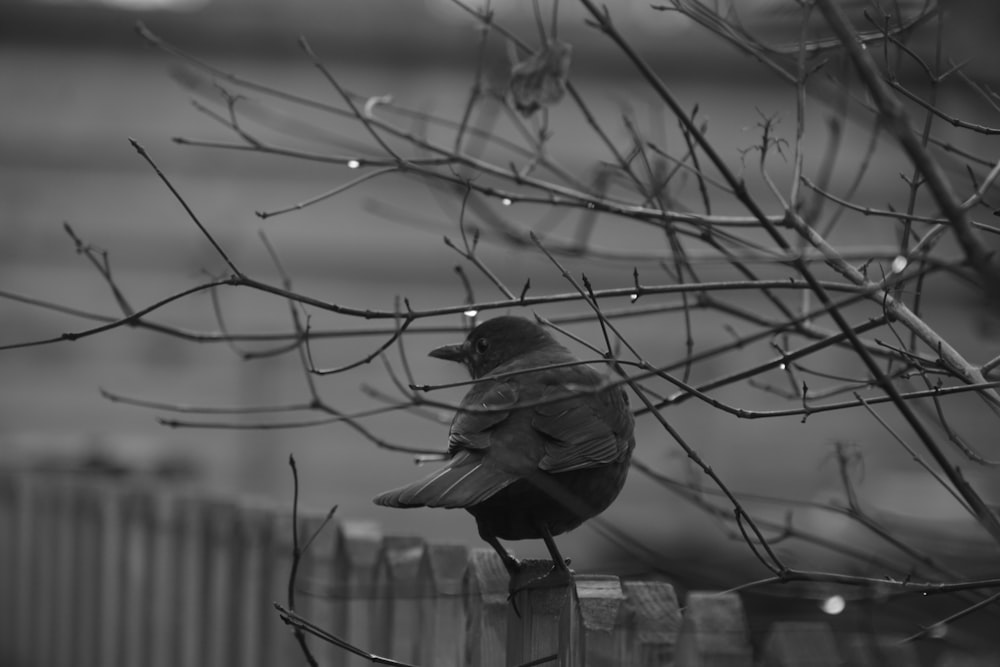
x=467 y=480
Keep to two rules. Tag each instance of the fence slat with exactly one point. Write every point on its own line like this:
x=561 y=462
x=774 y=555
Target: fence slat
x=713 y=632
x=62 y=622
x=864 y=649
x=800 y=643
x=360 y=544
x=135 y=553
x=166 y=594
x=42 y=593
x=957 y=657
x=442 y=613
x=232 y=567
x=221 y=558
x=592 y=630
x=655 y=621
x=396 y=609
x=316 y=579
x=189 y=618
x=21 y=575
x=259 y=622
x=536 y=633
x=85 y=575
x=284 y=648
x=485 y=594
x=8 y=565
x=109 y=575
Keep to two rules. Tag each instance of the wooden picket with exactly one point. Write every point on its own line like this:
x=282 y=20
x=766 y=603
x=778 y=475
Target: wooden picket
x=101 y=573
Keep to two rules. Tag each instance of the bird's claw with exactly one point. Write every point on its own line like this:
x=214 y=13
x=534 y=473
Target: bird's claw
x=513 y=602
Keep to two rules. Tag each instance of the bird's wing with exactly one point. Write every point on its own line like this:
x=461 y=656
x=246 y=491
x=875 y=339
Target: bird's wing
x=468 y=479
x=583 y=431
x=486 y=406
x=473 y=474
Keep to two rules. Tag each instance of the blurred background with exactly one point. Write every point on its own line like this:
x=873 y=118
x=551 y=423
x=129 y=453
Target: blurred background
x=77 y=83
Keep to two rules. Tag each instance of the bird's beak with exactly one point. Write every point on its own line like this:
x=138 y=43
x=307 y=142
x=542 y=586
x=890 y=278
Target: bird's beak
x=449 y=353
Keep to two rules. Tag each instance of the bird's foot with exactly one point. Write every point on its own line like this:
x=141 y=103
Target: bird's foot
x=558 y=576
x=515 y=567
x=528 y=578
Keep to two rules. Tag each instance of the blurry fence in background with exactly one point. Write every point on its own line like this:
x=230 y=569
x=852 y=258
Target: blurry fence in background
x=97 y=573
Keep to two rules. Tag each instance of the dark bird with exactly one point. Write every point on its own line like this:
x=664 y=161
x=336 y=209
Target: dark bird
x=535 y=449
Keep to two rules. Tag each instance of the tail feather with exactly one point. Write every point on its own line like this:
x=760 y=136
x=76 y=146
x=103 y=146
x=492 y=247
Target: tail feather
x=467 y=480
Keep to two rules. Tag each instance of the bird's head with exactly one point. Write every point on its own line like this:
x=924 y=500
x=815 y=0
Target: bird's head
x=495 y=342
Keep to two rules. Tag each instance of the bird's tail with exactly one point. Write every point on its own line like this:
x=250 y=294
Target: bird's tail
x=467 y=480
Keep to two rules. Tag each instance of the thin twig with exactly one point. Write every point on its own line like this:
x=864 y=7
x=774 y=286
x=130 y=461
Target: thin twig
x=293 y=571
x=183 y=202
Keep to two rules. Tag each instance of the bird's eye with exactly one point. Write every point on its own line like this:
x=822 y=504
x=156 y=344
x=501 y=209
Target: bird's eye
x=482 y=345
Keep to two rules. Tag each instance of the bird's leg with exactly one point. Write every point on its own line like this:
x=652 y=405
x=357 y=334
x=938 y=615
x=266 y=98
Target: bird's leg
x=512 y=565
x=560 y=574
x=558 y=562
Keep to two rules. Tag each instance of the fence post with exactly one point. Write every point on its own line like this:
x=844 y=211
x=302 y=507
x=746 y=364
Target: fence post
x=485 y=594
x=535 y=634
x=360 y=543
x=442 y=613
x=592 y=632
x=713 y=632
x=655 y=620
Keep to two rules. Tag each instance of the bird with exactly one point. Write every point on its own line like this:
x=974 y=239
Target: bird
x=540 y=443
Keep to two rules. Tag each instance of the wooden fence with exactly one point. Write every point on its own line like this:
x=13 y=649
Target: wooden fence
x=98 y=573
